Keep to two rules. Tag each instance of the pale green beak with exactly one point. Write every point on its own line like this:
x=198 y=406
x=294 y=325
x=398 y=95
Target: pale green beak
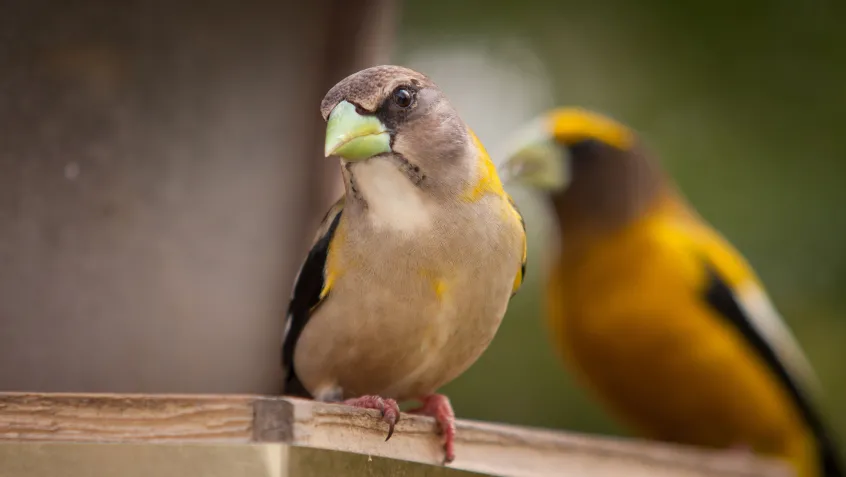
x=533 y=158
x=353 y=136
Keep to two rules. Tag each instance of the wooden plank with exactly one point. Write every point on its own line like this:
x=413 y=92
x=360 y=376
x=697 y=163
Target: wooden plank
x=50 y=459
x=482 y=447
x=125 y=418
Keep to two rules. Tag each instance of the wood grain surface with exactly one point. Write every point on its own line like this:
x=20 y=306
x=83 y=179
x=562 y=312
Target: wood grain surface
x=487 y=448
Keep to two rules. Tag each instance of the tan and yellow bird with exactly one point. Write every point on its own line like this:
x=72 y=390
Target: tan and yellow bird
x=412 y=270
x=656 y=312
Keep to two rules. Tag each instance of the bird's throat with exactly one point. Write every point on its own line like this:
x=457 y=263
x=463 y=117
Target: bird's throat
x=393 y=199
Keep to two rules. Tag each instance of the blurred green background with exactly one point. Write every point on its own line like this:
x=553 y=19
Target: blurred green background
x=164 y=172
x=744 y=104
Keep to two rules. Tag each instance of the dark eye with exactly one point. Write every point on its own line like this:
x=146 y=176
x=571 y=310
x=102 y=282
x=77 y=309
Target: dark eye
x=403 y=97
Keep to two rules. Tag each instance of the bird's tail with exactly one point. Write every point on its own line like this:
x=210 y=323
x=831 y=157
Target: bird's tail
x=830 y=461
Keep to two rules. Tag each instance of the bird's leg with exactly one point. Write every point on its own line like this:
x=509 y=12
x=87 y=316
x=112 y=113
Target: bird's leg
x=388 y=407
x=438 y=406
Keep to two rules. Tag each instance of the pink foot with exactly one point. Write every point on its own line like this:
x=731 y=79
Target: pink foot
x=388 y=407
x=438 y=406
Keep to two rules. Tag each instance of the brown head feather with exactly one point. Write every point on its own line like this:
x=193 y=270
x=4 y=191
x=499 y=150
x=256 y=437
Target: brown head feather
x=368 y=88
x=429 y=141
x=610 y=187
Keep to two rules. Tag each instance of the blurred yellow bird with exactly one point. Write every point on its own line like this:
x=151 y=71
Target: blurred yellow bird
x=656 y=312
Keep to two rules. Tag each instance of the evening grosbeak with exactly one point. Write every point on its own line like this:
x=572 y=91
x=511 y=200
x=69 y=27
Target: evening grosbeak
x=412 y=269
x=656 y=312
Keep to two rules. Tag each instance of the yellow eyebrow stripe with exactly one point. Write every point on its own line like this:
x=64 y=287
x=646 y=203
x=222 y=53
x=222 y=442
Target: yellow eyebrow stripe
x=572 y=125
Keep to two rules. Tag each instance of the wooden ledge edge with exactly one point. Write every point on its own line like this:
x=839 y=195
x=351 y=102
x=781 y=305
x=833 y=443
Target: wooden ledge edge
x=482 y=447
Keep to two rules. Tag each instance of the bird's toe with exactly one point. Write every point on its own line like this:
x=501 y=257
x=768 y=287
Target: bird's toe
x=388 y=407
x=391 y=415
x=439 y=407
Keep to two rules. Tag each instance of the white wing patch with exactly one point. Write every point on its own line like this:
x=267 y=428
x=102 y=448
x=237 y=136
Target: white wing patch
x=768 y=323
x=288 y=321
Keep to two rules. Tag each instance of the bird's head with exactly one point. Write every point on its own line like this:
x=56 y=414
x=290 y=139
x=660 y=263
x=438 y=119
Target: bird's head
x=391 y=110
x=592 y=168
x=554 y=149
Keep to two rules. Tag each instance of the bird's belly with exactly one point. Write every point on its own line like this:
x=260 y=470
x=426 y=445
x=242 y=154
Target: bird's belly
x=680 y=383
x=402 y=334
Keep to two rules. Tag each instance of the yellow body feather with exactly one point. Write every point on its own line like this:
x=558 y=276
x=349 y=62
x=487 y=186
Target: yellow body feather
x=630 y=318
x=629 y=310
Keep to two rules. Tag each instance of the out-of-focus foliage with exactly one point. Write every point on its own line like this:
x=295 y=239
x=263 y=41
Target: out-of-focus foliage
x=743 y=102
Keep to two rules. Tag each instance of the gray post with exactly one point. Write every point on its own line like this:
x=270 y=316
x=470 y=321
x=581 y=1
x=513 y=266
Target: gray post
x=161 y=176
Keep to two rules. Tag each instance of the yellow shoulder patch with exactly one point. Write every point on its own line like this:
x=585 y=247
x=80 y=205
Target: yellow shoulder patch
x=572 y=125
x=334 y=234
x=331 y=275
x=488 y=181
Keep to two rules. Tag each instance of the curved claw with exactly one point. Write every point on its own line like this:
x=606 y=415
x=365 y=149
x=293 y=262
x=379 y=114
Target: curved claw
x=391 y=415
x=388 y=407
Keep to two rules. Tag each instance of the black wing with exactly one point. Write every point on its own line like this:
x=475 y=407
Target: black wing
x=722 y=299
x=308 y=286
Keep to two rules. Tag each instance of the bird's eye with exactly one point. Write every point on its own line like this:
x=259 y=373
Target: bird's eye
x=403 y=97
